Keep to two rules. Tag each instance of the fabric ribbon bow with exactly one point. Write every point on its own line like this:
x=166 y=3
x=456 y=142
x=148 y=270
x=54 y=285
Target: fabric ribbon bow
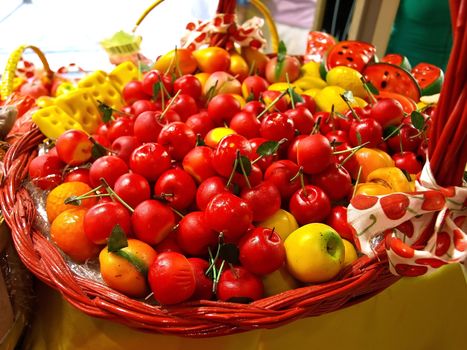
x=205 y=33
x=422 y=230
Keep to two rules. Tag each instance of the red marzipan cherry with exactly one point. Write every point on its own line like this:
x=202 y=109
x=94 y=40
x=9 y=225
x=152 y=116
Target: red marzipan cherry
x=200 y=123
x=169 y=244
x=263 y=199
x=132 y=188
x=133 y=91
x=238 y=284
x=230 y=215
x=253 y=86
x=152 y=221
x=141 y=106
x=326 y=123
x=198 y=163
x=185 y=106
x=277 y=126
x=255 y=107
x=270 y=95
x=261 y=251
x=154 y=76
x=150 y=160
x=203 y=289
x=292 y=148
x=280 y=174
x=310 y=204
x=194 y=236
x=337 y=136
x=108 y=167
x=208 y=189
x=124 y=146
x=189 y=85
x=78 y=174
x=302 y=119
x=176 y=187
x=222 y=108
x=387 y=111
x=171 y=278
x=351 y=164
x=100 y=220
x=337 y=219
x=147 y=126
x=308 y=102
x=45 y=171
x=314 y=153
x=406 y=138
x=254 y=178
x=177 y=138
x=225 y=154
x=246 y=124
x=335 y=181
x=74 y=147
x=407 y=161
x=264 y=161
x=369 y=131
x=122 y=126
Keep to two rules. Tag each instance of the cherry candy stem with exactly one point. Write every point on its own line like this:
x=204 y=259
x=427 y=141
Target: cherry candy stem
x=359 y=174
x=172 y=101
x=113 y=194
x=368 y=91
x=177 y=212
x=229 y=181
x=353 y=149
x=243 y=170
x=347 y=102
x=272 y=104
x=289 y=90
x=392 y=133
x=89 y=194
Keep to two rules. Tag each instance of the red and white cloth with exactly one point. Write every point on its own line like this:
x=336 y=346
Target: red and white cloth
x=422 y=230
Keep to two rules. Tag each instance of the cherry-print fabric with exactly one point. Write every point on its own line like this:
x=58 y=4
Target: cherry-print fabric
x=248 y=34
x=422 y=230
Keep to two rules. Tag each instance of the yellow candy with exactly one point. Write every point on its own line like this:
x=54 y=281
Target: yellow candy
x=54 y=121
x=100 y=88
x=123 y=74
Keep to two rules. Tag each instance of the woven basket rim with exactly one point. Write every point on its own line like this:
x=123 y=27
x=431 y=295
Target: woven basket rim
x=365 y=278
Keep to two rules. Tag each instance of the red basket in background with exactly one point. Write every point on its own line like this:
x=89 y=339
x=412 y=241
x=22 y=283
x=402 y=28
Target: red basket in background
x=363 y=279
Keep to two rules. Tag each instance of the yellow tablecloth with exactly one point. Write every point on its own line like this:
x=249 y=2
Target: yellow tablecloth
x=415 y=313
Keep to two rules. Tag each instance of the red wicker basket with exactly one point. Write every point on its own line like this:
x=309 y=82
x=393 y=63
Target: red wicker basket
x=365 y=278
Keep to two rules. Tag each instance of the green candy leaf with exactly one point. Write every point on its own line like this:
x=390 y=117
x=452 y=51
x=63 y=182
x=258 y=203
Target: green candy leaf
x=156 y=89
x=73 y=200
x=117 y=239
x=229 y=252
x=98 y=151
x=133 y=260
x=359 y=138
x=294 y=96
x=199 y=140
x=250 y=97
x=417 y=120
x=268 y=148
x=281 y=54
x=390 y=130
x=371 y=88
x=106 y=111
x=244 y=165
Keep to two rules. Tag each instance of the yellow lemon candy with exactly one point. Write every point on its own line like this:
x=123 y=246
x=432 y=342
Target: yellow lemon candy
x=306 y=83
x=350 y=253
x=329 y=96
x=278 y=281
x=360 y=101
x=347 y=78
x=312 y=92
x=282 y=222
x=311 y=69
x=202 y=77
x=213 y=137
x=284 y=86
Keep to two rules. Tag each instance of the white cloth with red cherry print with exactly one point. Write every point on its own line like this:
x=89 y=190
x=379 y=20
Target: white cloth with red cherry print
x=422 y=230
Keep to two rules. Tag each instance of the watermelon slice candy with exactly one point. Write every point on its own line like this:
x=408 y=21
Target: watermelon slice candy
x=398 y=60
x=429 y=77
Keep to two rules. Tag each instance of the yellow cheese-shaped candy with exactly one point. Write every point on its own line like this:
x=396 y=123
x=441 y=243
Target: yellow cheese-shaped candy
x=123 y=74
x=80 y=105
x=54 y=121
x=101 y=89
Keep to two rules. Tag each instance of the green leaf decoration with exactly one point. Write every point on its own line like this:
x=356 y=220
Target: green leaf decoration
x=390 y=130
x=244 y=165
x=294 y=96
x=98 y=151
x=156 y=89
x=250 y=97
x=371 y=88
x=417 y=120
x=407 y=175
x=73 y=200
x=359 y=138
x=134 y=260
x=106 y=111
x=281 y=53
x=117 y=239
x=229 y=252
x=267 y=148
x=199 y=140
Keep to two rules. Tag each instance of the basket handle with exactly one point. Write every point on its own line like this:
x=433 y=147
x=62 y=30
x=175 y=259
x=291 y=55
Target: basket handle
x=10 y=69
x=256 y=3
